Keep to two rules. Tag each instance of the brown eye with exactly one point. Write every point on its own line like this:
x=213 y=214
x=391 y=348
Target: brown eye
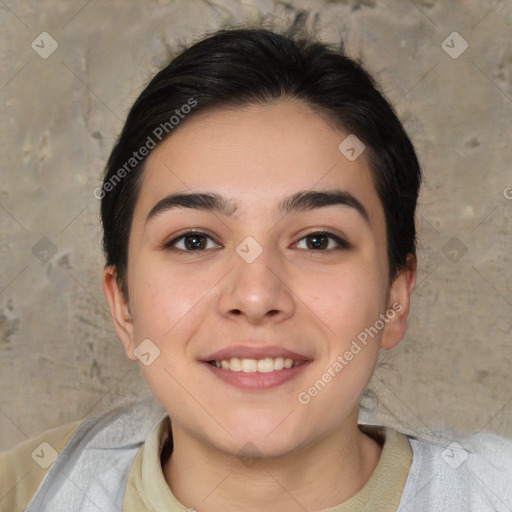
x=320 y=241
x=191 y=241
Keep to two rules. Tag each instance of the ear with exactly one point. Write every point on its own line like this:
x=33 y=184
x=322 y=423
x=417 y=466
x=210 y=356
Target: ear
x=399 y=302
x=119 y=309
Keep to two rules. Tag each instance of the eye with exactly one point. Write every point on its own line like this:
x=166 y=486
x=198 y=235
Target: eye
x=320 y=241
x=192 y=241
x=197 y=241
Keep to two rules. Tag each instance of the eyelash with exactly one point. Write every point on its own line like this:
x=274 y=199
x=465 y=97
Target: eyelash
x=342 y=244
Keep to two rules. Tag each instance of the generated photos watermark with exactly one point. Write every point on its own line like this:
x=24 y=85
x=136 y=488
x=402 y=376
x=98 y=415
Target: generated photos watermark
x=159 y=134
x=304 y=397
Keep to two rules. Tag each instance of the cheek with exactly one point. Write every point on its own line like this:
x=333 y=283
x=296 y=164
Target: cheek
x=348 y=304
x=168 y=310
x=347 y=301
x=166 y=300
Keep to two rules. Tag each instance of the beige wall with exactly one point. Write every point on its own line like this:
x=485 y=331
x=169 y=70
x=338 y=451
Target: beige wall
x=59 y=357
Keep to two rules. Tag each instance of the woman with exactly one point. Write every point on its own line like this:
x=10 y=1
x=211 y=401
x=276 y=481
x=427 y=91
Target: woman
x=258 y=214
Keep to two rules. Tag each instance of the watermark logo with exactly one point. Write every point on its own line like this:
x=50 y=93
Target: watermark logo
x=249 y=250
x=44 y=455
x=304 y=397
x=454 y=249
x=44 y=45
x=249 y=454
x=351 y=147
x=138 y=156
x=146 y=352
x=454 y=45
x=44 y=250
x=454 y=455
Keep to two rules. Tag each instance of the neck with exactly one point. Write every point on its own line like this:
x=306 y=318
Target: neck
x=322 y=475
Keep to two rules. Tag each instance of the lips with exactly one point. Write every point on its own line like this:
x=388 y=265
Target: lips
x=256 y=368
x=252 y=352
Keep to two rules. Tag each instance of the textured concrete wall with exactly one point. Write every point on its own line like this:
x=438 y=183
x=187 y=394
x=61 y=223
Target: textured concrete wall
x=61 y=112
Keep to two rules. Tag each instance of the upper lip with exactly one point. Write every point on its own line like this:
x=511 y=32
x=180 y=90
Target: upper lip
x=255 y=352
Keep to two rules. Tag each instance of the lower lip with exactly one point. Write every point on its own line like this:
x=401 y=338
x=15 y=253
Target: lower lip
x=256 y=380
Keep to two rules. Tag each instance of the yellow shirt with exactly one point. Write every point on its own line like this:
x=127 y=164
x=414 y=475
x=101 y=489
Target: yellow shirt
x=22 y=470
x=147 y=489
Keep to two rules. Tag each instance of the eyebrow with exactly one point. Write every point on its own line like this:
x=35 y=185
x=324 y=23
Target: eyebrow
x=301 y=201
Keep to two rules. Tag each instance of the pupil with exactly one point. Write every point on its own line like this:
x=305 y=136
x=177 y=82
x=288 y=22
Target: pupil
x=316 y=243
x=194 y=242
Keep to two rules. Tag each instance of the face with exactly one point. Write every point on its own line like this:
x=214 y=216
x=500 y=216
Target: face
x=255 y=285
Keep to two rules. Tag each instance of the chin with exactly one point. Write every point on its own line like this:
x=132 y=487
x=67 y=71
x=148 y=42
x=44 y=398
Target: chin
x=253 y=449
x=248 y=441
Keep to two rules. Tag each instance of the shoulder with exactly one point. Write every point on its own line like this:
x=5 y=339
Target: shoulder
x=41 y=473
x=98 y=457
x=23 y=467
x=472 y=473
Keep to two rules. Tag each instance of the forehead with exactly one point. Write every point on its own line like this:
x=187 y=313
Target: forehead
x=255 y=155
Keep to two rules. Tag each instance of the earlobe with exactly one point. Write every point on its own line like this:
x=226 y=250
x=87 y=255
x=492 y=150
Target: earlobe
x=399 y=301
x=119 y=310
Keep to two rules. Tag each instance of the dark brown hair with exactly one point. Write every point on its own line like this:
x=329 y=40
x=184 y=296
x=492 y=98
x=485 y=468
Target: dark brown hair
x=242 y=66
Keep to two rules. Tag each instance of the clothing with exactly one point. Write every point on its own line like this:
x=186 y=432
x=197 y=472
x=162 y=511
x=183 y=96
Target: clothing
x=111 y=462
x=148 y=490
x=20 y=474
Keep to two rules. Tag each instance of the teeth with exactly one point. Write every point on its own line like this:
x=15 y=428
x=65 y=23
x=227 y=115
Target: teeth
x=235 y=364
x=266 y=365
x=278 y=363
x=249 y=365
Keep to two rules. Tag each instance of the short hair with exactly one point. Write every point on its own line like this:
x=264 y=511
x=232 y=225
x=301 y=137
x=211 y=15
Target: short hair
x=236 y=67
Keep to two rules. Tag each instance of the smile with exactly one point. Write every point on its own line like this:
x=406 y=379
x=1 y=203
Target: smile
x=265 y=365
x=256 y=374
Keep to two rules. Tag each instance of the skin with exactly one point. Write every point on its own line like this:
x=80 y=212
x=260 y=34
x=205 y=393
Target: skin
x=312 y=301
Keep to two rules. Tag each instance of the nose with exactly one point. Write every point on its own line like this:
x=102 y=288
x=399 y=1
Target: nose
x=257 y=292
